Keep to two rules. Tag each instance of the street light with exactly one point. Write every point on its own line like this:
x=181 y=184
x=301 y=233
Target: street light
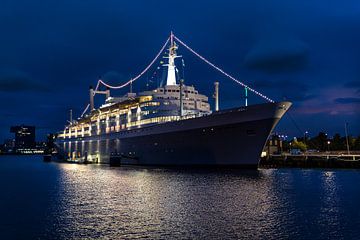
x=305 y=134
x=290 y=147
x=328 y=143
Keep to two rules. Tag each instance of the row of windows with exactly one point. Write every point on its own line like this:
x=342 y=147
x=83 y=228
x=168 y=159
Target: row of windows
x=112 y=122
x=146 y=104
x=249 y=132
x=94 y=130
x=142 y=122
x=133 y=120
x=178 y=90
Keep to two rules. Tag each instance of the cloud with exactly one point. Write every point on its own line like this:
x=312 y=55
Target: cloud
x=332 y=101
x=287 y=89
x=13 y=80
x=276 y=55
x=353 y=85
x=349 y=100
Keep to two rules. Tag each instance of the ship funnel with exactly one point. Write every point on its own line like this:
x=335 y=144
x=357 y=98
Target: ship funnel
x=71 y=116
x=91 y=95
x=181 y=97
x=216 y=96
x=107 y=93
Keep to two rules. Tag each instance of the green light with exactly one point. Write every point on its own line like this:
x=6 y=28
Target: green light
x=246 y=96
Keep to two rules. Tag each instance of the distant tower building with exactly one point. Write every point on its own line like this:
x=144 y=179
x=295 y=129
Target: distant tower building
x=24 y=136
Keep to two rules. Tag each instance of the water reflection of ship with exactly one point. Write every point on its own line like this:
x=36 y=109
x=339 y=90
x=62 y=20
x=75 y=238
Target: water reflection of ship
x=170 y=125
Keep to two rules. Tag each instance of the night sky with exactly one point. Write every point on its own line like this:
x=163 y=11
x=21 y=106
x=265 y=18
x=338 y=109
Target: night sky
x=304 y=51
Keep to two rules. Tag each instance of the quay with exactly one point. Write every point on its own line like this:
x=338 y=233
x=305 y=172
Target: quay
x=313 y=160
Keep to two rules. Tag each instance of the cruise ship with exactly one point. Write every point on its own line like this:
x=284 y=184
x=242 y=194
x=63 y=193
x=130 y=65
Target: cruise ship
x=171 y=125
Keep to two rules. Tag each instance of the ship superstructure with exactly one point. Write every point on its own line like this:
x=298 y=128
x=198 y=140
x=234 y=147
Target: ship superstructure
x=160 y=105
x=169 y=125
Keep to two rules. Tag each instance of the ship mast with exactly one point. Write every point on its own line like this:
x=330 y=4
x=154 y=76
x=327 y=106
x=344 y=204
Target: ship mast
x=171 y=73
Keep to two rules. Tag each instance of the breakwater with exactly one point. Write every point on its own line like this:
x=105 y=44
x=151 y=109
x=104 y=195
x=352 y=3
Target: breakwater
x=311 y=161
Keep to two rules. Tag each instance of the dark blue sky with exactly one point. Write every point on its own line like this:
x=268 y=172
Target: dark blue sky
x=304 y=51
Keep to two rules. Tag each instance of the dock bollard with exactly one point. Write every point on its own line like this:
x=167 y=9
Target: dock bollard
x=115 y=160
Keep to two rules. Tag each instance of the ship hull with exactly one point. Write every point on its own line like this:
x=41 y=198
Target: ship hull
x=234 y=137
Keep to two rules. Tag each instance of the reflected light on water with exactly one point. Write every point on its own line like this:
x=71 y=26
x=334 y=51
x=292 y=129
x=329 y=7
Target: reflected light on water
x=70 y=201
x=159 y=203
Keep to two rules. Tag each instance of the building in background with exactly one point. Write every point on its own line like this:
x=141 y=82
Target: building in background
x=274 y=145
x=23 y=143
x=24 y=137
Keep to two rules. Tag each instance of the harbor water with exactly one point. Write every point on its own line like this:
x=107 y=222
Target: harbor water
x=70 y=201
